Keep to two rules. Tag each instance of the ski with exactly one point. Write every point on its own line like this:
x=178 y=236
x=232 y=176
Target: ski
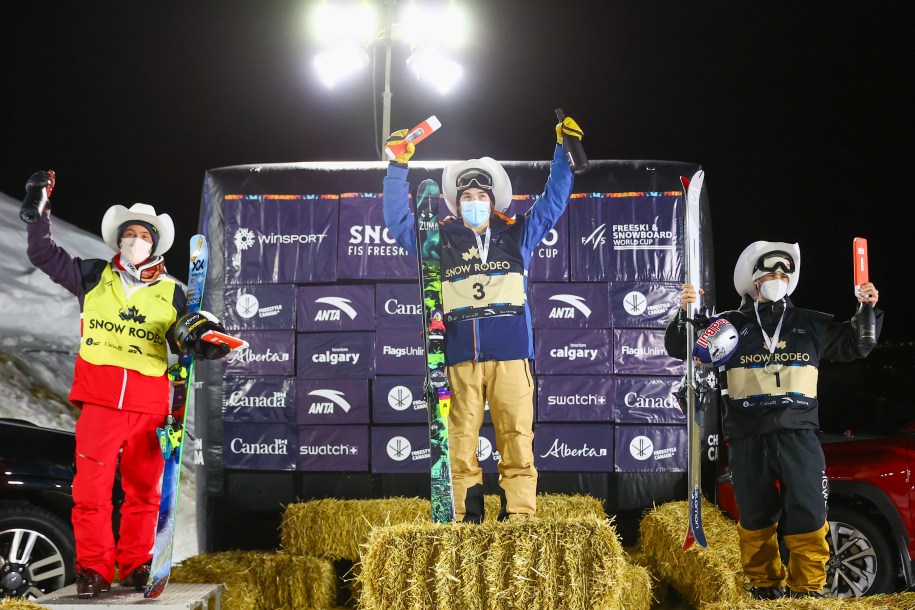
x=436 y=390
x=692 y=188
x=171 y=436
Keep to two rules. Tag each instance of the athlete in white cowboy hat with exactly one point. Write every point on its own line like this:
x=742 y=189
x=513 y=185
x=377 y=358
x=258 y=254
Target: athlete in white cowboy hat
x=130 y=308
x=771 y=416
x=485 y=257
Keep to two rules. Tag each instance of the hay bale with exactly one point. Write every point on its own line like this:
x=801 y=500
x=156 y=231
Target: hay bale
x=525 y=564
x=899 y=601
x=701 y=576
x=659 y=588
x=335 y=529
x=264 y=581
x=14 y=603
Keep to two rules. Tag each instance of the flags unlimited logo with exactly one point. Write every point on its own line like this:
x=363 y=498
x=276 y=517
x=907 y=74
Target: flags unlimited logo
x=574 y=303
x=337 y=305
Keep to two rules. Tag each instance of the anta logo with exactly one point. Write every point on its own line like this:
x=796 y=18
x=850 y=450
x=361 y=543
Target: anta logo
x=334 y=398
x=333 y=315
x=472 y=253
x=131 y=314
x=597 y=237
x=577 y=304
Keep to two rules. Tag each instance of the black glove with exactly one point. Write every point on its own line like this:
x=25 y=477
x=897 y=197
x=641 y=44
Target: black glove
x=189 y=330
x=37 y=196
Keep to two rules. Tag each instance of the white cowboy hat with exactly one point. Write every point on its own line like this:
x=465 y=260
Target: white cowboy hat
x=118 y=215
x=744 y=273
x=501 y=184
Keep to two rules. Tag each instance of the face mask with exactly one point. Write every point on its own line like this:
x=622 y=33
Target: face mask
x=773 y=290
x=475 y=212
x=135 y=250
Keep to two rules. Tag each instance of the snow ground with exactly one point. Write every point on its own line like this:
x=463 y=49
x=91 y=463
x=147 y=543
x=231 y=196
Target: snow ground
x=39 y=336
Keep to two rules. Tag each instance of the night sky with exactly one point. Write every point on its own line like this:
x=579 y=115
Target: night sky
x=801 y=113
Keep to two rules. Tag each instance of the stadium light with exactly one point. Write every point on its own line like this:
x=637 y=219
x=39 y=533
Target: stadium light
x=350 y=28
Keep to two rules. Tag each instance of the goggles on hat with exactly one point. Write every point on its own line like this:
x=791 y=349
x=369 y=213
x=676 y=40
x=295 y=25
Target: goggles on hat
x=474 y=178
x=774 y=261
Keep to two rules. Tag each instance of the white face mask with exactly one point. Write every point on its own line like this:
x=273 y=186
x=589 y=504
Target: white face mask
x=475 y=212
x=773 y=290
x=135 y=250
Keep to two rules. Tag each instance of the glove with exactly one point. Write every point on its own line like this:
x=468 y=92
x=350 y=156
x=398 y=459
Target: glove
x=568 y=127
x=397 y=138
x=37 y=196
x=177 y=373
x=188 y=332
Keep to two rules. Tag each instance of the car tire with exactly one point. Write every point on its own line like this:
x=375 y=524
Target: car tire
x=49 y=565
x=864 y=564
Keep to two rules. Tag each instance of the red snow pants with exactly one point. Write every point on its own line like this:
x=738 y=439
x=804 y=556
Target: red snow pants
x=101 y=434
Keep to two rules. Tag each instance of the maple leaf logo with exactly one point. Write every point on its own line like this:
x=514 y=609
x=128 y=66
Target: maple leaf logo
x=782 y=344
x=472 y=253
x=132 y=314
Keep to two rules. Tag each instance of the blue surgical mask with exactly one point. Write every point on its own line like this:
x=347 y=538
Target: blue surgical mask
x=475 y=212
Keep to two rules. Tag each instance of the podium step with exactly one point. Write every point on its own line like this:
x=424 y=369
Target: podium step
x=177 y=596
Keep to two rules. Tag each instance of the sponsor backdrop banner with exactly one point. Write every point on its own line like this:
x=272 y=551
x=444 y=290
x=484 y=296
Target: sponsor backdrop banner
x=642 y=304
x=334 y=448
x=259 y=446
x=573 y=447
x=572 y=398
x=570 y=306
x=332 y=401
x=398 y=400
x=571 y=352
x=647 y=400
x=641 y=352
x=262 y=399
x=269 y=352
x=398 y=306
x=550 y=260
x=400 y=449
x=366 y=250
x=335 y=308
x=260 y=307
x=651 y=448
x=280 y=239
x=398 y=352
x=335 y=355
x=625 y=237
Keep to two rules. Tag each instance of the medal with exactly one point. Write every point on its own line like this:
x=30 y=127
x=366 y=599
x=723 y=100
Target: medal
x=773 y=368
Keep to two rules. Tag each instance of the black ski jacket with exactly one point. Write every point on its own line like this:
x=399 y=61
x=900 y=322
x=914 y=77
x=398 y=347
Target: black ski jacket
x=807 y=339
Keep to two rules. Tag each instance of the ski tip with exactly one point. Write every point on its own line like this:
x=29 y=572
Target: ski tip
x=689 y=540
x=154 y=590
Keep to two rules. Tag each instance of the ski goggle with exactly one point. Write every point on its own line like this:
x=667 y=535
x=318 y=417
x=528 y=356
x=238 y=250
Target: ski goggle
x=474 y=178
x=775 y=261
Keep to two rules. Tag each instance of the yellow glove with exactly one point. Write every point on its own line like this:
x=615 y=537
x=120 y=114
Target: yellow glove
x=402 y=149
x=568 y=127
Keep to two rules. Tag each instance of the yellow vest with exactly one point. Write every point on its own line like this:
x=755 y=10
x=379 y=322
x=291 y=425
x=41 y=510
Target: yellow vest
x=128 y=330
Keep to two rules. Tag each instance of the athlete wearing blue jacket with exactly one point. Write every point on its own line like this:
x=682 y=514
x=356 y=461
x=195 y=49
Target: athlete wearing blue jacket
x=488 y=341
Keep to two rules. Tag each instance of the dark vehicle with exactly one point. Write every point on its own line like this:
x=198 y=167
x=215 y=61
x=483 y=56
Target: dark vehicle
x=870 y=471
x=36 y=539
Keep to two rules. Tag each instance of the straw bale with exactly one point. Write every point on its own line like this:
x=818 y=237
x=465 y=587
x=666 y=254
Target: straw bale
x=702 y=576
x=899 y=601
x=335 y=529
x=15 y=603
x=264 y=581
x=659 y=588
x=530 y=563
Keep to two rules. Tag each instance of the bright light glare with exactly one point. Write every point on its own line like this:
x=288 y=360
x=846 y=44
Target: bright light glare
x=436 y=69
x=344 y=21
x=444 y=25
x=340 y=62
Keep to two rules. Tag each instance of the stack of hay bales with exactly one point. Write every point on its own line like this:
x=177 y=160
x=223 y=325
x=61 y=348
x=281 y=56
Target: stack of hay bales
x=712 y=578
x=13 y=603
x=530 y=564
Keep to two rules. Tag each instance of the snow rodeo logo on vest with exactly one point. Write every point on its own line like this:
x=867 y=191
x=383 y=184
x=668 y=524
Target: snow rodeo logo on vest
x=366 y=250
x=302 y=251
x=135 y=337
x=481 y=282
